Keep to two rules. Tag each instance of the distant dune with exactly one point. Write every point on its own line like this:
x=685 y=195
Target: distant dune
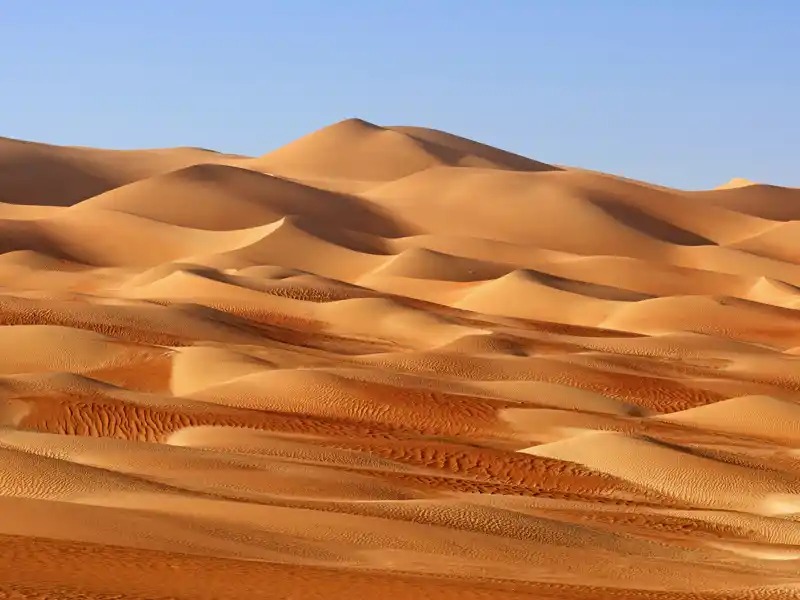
x=736 y=182
x=392 y=361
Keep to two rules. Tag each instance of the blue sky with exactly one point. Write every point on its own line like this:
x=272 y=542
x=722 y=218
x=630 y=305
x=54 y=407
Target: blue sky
x=683 y=93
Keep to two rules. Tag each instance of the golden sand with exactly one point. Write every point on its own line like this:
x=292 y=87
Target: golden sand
x=390 y=361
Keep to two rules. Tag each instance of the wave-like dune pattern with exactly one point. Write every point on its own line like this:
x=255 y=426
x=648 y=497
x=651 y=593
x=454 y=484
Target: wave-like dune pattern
x=392 y=361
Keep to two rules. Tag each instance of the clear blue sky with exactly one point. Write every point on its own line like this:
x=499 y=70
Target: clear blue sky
x=678 y=92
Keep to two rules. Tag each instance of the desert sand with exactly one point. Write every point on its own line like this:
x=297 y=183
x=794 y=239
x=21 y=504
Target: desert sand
x=392 y=362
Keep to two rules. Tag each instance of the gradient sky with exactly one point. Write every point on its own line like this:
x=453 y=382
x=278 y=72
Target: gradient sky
x=677 y=92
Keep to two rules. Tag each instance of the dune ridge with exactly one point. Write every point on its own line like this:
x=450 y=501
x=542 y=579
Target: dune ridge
x=392 y=360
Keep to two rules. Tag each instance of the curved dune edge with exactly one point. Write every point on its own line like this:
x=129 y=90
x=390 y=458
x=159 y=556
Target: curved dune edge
x=393 y=361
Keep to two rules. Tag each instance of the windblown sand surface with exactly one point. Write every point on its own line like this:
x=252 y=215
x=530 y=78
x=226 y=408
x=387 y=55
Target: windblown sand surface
x=392 y=362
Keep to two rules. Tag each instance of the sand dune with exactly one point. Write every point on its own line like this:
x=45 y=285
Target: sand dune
x=774 y=243
x=765 y=201
x=392 y=361
x=78 y=173
x=224 y=197
x=47 y=348
x=422 y=263
x=356 y=149
x=736 y=182
x=535 y=210
x=687 y=477
x=760 y=416
x=529 y=295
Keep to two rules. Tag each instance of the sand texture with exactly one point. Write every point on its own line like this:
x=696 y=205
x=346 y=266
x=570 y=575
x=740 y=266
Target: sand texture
x=392 y=362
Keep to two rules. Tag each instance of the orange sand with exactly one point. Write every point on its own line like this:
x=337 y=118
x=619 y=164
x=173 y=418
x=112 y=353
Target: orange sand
x=390 y=361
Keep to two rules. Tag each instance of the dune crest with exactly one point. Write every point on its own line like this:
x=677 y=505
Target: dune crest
x=736 y=182
x=392 y=361
x=357 y=149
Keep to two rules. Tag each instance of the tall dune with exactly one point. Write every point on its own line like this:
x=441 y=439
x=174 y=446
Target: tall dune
x=356 y=149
